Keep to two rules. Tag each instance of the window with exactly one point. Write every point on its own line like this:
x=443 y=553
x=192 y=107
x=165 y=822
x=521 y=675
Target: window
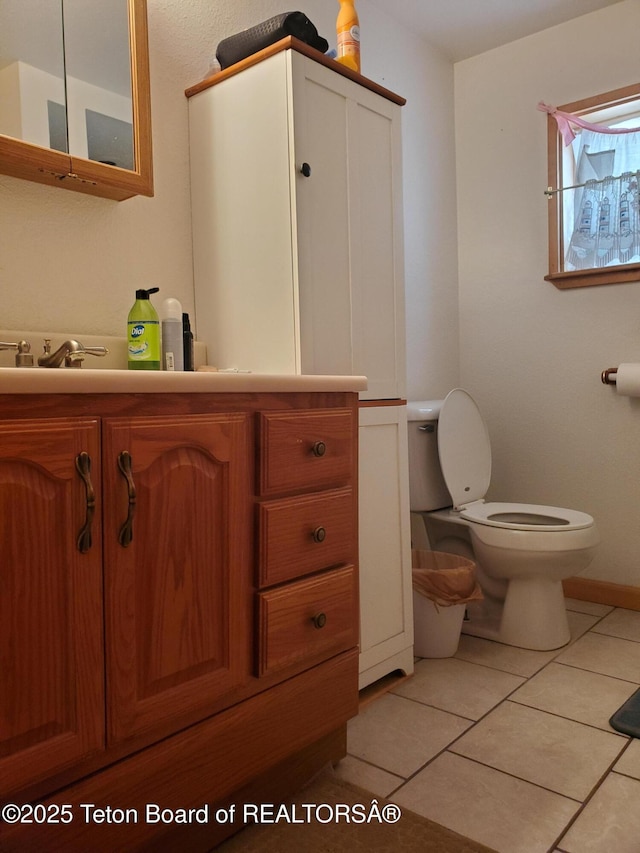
x=594 y=202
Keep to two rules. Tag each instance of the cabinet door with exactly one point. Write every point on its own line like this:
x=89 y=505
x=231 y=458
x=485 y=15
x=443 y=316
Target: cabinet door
x=51 y=651
x=386 y=604
x=243 y=251
x=349 y=229
x=177 y=569
x=321 y=202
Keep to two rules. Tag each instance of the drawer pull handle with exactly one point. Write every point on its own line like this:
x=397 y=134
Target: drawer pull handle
x=125 y=537
x=319 y=448
x=319 y=534
x=319 y=620
x=83 y=467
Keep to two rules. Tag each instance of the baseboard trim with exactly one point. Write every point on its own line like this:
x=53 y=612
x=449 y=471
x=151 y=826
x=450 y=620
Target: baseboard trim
x=602 y=592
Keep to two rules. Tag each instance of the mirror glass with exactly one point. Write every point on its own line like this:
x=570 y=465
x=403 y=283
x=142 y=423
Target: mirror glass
x=75 y=98
x=98 y=75
x=32 y=95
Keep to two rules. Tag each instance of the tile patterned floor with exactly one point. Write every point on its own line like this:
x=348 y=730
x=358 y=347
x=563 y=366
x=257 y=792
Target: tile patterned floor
x=512 y=747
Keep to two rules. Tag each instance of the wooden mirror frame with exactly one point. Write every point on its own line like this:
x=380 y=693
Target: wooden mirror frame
x=45 y=166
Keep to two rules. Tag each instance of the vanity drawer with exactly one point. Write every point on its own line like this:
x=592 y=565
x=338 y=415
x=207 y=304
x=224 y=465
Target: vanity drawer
x=303 y=534
x=307 y=621
x=306 y=450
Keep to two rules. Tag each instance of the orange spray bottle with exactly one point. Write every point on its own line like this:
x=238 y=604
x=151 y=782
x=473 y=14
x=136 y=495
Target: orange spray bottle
x=348 y=35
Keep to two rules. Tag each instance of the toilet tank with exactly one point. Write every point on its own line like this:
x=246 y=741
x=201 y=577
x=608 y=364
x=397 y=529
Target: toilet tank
x=427 y=489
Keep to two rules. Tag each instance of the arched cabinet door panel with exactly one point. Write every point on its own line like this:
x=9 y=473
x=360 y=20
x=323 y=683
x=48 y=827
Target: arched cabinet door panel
x=177 y=569
x=51 y=637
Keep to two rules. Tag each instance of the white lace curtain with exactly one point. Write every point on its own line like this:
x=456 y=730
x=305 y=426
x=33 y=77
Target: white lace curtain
x=601 y=218
x=600 y=202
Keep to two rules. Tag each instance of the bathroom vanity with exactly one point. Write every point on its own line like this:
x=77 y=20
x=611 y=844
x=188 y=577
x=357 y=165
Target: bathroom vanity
x=179 y=607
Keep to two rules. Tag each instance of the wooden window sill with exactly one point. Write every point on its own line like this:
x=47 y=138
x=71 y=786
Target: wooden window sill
x=591 y=277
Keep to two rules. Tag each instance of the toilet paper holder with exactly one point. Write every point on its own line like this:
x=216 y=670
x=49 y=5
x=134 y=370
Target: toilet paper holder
x=609 y=376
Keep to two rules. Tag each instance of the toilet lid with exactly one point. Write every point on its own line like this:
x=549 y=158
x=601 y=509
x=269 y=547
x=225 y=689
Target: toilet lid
x=464 y=448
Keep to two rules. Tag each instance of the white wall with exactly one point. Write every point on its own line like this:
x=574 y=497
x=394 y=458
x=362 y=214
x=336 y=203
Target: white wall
x=72 y=262
x=532 y=354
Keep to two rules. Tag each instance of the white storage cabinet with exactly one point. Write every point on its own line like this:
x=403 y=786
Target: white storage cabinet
x=298 y=262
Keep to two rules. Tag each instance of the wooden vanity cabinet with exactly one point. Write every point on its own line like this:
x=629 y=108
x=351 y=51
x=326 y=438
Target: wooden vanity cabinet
x=148 y=655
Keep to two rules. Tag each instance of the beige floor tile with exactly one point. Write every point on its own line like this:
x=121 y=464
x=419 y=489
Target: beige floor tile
x=561 y=755
x=366 y=776
x=587 y=607
x=399 y=735
x=606 y=655
x=505 y=658
x=517 y=661
x=579 y=624
x=621 y=623
x=586 y=697
x=629 y=762
x=610 y=822
x=507 y=814
x=455 y=685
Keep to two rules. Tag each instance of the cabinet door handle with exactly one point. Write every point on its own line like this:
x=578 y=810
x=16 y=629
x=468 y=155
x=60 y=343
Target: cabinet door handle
x=305 y=170
x=125 y=537
x=319 y=534
x=319 y=448
x=83 y=467
x=319 y=620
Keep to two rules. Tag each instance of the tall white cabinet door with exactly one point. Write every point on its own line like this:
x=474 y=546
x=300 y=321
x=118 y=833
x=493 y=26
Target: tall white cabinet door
x=349 y=229
x=377 y=294
x=322 y=207
x=386 y=602
x=243 y=251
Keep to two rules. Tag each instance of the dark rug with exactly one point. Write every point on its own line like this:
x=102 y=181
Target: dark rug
x=627 y=718
x=324 y=828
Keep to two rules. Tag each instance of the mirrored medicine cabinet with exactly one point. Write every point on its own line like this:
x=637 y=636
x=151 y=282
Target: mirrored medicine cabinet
x=75 y=106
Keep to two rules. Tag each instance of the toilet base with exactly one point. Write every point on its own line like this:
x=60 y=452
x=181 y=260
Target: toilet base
x=532 y=616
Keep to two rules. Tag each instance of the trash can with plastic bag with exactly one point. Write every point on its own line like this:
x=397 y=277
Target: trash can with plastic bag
x=443 y=584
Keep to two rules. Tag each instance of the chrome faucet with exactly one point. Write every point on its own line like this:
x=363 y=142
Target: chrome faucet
x=72 y=353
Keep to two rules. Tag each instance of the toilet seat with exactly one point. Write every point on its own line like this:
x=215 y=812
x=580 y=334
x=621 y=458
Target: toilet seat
x=465 y=459
x=513 y=516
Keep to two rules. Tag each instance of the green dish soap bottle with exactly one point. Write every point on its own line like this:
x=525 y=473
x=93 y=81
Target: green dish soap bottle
x=143 y=333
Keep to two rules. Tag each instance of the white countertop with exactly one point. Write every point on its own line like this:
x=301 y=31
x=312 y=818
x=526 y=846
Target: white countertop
x=42 y=380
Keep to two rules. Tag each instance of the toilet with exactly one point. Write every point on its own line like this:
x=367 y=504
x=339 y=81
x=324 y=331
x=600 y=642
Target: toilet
x=522 y=551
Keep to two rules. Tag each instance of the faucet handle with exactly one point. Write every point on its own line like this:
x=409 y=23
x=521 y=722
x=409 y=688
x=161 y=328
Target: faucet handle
x=95 y=350
x=24 y=356
x=75 y=357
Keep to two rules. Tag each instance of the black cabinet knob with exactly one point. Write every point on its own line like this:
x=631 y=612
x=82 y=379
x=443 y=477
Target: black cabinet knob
x=319 y=534
x=305 y=169
x=320 y=620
